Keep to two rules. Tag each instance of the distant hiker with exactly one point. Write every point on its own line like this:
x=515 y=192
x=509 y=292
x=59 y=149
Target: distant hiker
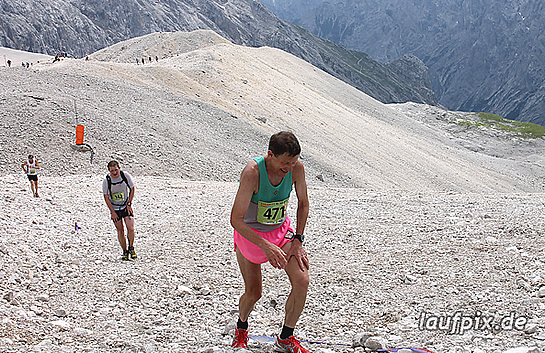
x=118 y=190
x=137 y=61
x=30 y=167
x=150 y=59
x=27 y=65
x=156 y=58
x=9 y=63
x=143 y=61
x=263 y=233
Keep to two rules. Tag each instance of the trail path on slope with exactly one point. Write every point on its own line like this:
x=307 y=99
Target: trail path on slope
x=18 y=56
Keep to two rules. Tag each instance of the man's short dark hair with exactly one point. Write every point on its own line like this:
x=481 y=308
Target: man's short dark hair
x=113 y=164
x=284 y=142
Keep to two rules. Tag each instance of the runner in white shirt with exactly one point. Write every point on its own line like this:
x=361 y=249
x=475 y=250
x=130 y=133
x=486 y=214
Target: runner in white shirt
x=118 y=190
x=30 y=167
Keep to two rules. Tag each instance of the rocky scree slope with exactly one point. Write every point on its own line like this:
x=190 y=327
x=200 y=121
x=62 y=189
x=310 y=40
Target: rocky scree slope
x=197 y=114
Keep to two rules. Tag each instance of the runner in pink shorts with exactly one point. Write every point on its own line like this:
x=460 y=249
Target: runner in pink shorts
x=279 y=237
x=263 y=233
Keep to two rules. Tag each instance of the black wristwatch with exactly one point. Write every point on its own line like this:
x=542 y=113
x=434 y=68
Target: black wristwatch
x=129 y=203
x=300 y=237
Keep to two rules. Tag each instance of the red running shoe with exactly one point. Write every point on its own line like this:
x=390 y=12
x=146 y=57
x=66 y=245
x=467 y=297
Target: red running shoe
x=241 y=339
x=289 y=345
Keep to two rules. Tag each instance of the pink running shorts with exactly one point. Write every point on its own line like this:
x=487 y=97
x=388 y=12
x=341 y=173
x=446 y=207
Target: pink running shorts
x=278 y=237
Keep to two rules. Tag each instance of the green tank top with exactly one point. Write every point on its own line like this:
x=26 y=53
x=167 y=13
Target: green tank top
x=268 y=208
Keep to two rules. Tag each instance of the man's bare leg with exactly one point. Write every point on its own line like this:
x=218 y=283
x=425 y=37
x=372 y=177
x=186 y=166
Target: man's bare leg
x=121 y=234
x=299 y=288
x=251 y=273
x=129 y=222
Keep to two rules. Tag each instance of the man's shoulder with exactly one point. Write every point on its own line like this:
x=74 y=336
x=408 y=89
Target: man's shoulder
x=253 y=166
x=128 y=179
x=250 y=172
x=298 y=170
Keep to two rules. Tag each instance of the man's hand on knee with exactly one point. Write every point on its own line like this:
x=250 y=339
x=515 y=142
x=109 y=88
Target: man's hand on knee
x=300 y=255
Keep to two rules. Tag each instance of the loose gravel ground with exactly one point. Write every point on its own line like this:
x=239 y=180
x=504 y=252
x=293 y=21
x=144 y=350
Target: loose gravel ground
x=379 y=260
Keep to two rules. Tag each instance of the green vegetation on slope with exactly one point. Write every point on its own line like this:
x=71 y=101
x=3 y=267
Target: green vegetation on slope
x=496 y=122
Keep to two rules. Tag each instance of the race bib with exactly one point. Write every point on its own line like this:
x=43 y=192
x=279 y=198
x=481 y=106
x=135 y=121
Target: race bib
x=32 y=171
x=272 y=213
x=118 y=196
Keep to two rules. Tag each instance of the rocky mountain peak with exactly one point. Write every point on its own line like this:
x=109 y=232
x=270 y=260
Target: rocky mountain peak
x=482 y=55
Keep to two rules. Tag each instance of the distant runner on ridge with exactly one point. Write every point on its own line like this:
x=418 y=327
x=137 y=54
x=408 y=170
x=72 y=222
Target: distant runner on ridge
x=263 y=233
x=118 y=190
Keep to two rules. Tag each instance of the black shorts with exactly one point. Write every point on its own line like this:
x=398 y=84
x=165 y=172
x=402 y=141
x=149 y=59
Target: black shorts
x=32 y=177
x=123 y=213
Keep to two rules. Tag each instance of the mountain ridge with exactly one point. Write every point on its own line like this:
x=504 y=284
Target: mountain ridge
x=82 y=27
